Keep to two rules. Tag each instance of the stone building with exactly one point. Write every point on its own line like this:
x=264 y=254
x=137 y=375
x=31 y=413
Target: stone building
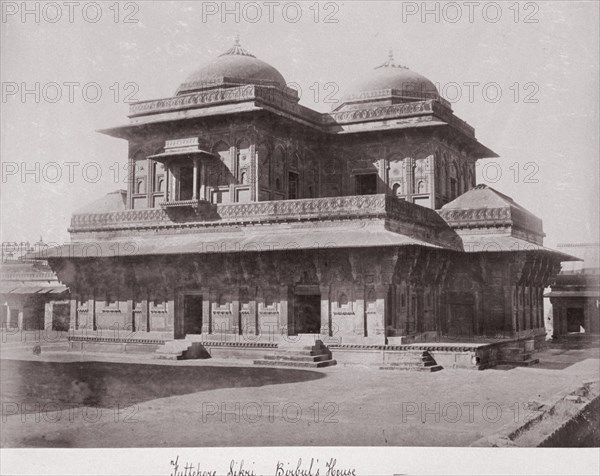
x=250 y=221
x=575 y=293
x=31 y=297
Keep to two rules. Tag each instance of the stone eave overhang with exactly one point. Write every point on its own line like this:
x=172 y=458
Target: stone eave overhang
x=394 y=221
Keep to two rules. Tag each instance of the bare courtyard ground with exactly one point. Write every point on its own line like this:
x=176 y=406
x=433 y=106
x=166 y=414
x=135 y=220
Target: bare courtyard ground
x=64 y=399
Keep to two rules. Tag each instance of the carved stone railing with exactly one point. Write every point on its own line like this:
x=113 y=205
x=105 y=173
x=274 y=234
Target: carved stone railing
x=493 y=217
x=380 y=113
x=477 y=217
x=331 y=208
x=187 y=101
x=195 y=204
x=282 y=100
x=31 y=276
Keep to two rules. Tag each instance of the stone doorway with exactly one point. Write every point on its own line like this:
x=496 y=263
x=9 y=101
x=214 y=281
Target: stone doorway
x=192 y=314
x=575 y=319
x=366 y=184
x=307 y=311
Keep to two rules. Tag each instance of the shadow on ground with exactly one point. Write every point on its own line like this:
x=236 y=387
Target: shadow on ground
x=564 y=352
x=107 y=384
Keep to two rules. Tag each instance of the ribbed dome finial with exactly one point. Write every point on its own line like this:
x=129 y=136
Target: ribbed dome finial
x=237 y=49
x=390 y=63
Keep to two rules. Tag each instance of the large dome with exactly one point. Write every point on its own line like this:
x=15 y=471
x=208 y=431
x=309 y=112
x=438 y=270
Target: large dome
x=235 y=66
x=392 y=76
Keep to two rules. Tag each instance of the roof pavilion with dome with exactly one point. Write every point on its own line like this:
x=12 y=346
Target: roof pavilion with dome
x=252 y=223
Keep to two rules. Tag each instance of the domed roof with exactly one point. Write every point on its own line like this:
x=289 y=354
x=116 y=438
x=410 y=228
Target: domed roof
x=235 y=66
x=390 y=75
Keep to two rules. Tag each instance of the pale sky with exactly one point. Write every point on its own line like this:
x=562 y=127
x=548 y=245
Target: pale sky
x=554 y=62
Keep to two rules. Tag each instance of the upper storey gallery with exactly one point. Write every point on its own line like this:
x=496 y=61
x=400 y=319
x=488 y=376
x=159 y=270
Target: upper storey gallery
x=235 y=132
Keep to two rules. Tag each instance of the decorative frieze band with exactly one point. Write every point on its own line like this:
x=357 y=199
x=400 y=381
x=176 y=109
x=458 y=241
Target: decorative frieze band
x=357 y=206
x=282 y=100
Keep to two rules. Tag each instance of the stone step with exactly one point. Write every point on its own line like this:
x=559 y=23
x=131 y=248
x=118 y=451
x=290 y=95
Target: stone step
x=519 y=363
x=173 y=350
x=413 y=368
x=420 y=361
x=302 y=348
x=520 y=357
x=411 y=361
x=167 y=356
x=511 y=350
x=427 y=363
x=299 y=358
x=297 y=364
x=302 y=352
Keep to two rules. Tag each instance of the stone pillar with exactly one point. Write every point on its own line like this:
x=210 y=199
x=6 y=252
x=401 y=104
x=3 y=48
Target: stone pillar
x=174 y=184
x=410 y=177
x=235 y=325
x=145 y=316
x=203 y=180
x=284 y=300
x=509 y=312
x=326 y=318
x=376 y=320
x=253 y=174
x=170 y=318
x=91 y=317
x=130 y=181
x=150 y=176
x=382 y=183
x=478 y=312
x=48 y=312
x=431 y=180
x=130 y=319
x=167 y=182
x=195 y=180
x=206 y=312
x=74 y=313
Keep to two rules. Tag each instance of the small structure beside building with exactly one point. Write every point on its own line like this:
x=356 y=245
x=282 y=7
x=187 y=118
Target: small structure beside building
x=31 y=297
x=575 y=294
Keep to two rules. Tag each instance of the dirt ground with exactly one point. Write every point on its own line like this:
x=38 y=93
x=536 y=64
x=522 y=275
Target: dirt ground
x=64 y=399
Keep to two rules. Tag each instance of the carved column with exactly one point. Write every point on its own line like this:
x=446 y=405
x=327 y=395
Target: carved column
x=253 y=174
x=376 y=321
x=235 y=325
x=167 y=181
x=130 y=319
x=130 y=181
x=145 y=315
x=410 y=177
x=206 y=312
x=74 y=318
x=326 y=309
x=432 y=184
x=92 y=312
x=284 y=301
x=150 y=183
x=195 y=180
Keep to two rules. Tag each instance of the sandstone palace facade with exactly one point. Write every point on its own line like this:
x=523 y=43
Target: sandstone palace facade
x=250 y=222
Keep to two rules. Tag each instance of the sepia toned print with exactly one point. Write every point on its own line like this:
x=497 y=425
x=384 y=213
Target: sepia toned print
x=237 y=251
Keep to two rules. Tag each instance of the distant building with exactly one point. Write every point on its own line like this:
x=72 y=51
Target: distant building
x=31 y=297
x=252 y=220
x=575 y=293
